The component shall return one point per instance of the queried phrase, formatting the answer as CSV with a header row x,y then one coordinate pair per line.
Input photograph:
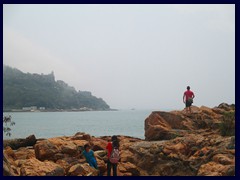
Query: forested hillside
x,y
25,90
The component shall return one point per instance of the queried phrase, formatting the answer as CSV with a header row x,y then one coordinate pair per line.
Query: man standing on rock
x,y
188,99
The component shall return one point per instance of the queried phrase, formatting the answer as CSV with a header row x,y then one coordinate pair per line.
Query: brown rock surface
x,y
34,167
9,166
169,125
25,153
98,144
184,144
128,169
45,150
216,169
82,170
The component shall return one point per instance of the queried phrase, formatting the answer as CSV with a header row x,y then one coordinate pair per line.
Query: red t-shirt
x,y
109,148
188,94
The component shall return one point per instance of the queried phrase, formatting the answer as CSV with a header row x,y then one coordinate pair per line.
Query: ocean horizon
x,y
96,123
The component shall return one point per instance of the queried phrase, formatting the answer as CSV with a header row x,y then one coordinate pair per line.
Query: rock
x,y
207,111
17,143
156,128
10,154
101,165
215,169
68,162
80,143
9,170
226,107
169,125
218,110
58,148
65,164
34,167
98,144
177,144
126,156
82,169
81,136
175,148
75,170
19,162
166,125
9,166
25,153
100,153
70,149
45,150
223,159
129,168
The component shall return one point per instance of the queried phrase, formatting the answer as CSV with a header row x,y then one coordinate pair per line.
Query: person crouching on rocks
x,y
89,155
113,155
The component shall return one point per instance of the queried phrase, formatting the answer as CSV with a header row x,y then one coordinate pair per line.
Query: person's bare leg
x,y
190,110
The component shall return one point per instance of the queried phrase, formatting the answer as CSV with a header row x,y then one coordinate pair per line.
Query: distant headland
x,y
25,92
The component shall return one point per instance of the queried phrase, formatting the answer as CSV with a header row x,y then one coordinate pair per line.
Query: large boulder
x,y
45,150
34,167
163,125
169,125
58,148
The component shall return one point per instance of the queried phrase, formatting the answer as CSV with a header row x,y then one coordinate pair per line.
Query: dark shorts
x,y
188,103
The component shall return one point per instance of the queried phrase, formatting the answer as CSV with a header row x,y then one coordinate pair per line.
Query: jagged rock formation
x,y
168,125
177,144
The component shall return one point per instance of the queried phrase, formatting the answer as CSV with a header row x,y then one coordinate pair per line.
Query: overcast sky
x,y
133,56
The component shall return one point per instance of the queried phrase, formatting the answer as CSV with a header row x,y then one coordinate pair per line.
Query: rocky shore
x,y
176,144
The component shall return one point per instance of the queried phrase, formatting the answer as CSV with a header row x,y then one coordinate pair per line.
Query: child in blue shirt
x,y
89,155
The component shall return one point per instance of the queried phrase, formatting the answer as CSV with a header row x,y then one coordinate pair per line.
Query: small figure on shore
x,y
89,155
188,99
113,155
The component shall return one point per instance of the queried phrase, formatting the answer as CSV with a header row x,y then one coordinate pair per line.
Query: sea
x,y
95,123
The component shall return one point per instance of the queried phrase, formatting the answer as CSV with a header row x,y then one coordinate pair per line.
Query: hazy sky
x,y
133,56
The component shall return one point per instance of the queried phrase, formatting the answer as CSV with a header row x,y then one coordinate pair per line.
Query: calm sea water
x,y
96,123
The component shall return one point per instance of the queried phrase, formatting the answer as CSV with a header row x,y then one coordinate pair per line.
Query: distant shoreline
x,y
57,110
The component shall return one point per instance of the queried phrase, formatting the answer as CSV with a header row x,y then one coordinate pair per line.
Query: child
x,y
110,146
89,155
